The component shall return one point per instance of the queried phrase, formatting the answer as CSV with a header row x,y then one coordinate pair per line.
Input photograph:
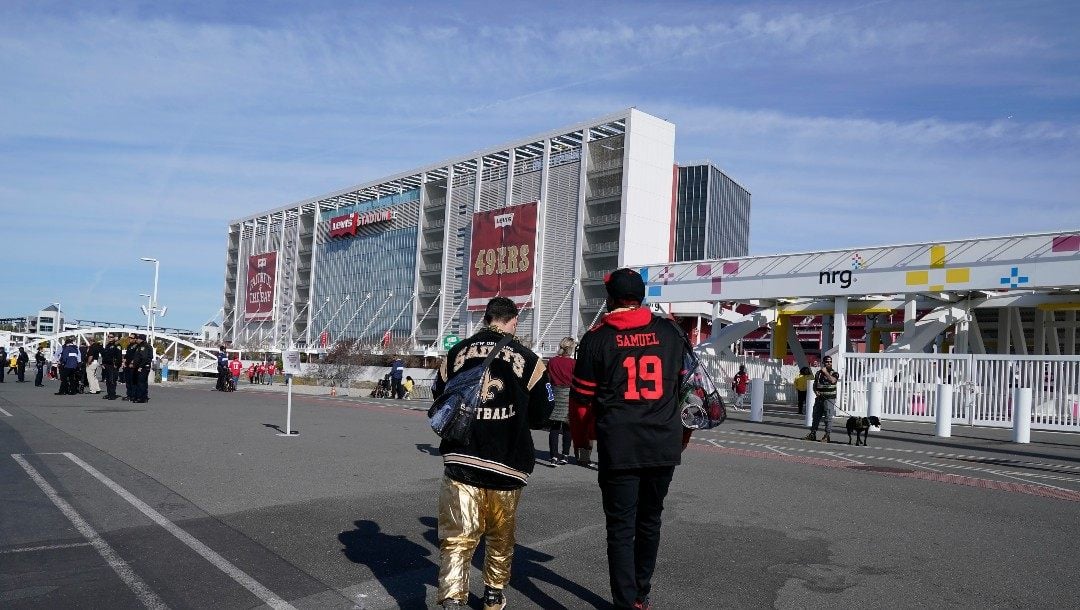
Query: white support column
x,y
311,274
1019,341
1070,333
465,326
975,338
446,296
538,258
509,200
840,307
1055,339
1040,332
911,313
796,348
1004,330
579,241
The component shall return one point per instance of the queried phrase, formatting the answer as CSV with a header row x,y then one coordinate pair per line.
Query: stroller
x,y
382,388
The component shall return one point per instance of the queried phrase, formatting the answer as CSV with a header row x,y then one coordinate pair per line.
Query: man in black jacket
x,y
41,362
20,364
112,359
483,479
70,359
3,362
142,357
626,380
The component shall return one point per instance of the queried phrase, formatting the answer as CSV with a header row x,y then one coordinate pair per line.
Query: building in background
x,y
713,216
49,320
407,262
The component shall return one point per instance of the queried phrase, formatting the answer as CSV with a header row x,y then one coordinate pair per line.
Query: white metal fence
x,y
982,387
779,378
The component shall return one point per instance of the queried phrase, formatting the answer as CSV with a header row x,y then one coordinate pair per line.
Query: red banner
x,y
262,272
503,252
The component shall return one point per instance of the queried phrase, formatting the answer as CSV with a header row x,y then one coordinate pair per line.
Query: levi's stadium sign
x,y
349,223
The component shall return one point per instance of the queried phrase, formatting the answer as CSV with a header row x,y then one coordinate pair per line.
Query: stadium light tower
x,y
153,303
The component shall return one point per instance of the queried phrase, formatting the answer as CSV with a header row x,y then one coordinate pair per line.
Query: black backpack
x,y
454,411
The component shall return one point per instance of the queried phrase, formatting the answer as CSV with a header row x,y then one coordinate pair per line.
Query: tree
x,y
339,364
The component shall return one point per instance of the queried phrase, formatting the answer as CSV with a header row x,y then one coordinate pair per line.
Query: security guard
x,y
112,359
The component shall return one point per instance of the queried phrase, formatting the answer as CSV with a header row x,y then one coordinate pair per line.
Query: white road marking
x,y
195,544
935,454
714,443
5,412
777,450
918,465
837,455
141,590
48,547
1032,482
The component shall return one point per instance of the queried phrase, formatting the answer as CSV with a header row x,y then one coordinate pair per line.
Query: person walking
x,y
801,381
20,364
3,362
13,363
740,383
627,379
260,373
561,371
40,361
397,372
825,399
271,370
235,368
112,359
70,358
483,478
93,366
251,373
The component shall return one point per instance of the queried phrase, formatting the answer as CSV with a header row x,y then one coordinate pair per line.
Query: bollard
x,y
873,399
944,410
808,408
1021,413
757,399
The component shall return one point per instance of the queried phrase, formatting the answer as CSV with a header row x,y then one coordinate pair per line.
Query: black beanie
x,y
625,284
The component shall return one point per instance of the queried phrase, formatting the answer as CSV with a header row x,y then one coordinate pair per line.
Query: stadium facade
x,y
407,262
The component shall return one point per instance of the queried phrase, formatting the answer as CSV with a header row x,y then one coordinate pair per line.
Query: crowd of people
x,y
81,369
229,371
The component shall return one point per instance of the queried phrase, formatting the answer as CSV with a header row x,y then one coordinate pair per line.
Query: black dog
x,y
861,427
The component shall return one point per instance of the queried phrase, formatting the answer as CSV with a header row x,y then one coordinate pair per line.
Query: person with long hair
x,y
561,371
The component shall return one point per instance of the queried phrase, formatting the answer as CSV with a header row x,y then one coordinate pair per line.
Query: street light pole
x,y
153,303
149,305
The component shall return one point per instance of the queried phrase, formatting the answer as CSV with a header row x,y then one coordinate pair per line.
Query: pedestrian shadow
x,y
527,569
404,568
427,448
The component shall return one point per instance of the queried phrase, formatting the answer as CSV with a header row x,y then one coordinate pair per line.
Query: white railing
x,y
982,387
779,378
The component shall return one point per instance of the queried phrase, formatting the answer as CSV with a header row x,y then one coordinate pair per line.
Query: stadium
x,y
405,263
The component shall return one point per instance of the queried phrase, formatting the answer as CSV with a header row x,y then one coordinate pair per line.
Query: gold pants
x,y
465,514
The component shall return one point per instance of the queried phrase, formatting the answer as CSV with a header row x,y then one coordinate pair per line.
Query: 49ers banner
x,y
503,251
262,272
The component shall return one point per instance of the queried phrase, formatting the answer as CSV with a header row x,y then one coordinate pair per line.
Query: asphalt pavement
x,y
194,500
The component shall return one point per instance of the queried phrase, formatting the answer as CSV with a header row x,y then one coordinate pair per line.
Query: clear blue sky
x,y
132,129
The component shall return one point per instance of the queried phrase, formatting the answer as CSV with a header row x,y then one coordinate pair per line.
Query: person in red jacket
x,y
271,370
741,384
251,373
627,379
235,368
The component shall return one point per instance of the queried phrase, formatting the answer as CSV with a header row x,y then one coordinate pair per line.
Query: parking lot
x,y
193,501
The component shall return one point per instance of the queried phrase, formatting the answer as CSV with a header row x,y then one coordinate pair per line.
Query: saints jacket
x,y
516,397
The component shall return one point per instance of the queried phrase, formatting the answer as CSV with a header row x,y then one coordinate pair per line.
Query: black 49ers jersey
x,y
629,368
